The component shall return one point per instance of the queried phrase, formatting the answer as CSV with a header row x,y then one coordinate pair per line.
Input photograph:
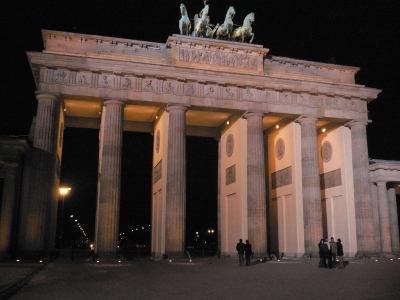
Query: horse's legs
x,y
252,37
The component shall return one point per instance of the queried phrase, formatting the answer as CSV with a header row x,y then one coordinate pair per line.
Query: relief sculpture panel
x,y
331,179
219,59
281,178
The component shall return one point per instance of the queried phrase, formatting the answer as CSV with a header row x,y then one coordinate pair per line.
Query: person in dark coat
x,y
240,249
321,255
248,252
339,253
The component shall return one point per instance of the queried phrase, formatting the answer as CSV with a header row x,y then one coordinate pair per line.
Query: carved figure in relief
x,y
184,23
245,31
225,30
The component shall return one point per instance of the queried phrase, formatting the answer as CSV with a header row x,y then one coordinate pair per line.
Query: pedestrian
x,y
323,250
248,252
240,249
332,244
339,251
328,255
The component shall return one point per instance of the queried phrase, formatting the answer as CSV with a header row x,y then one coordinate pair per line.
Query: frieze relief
x,y
83,78
229,93
210,91
61,76
169,87
219,59
106,80
303,99
127,83
149,84
189,89
201,89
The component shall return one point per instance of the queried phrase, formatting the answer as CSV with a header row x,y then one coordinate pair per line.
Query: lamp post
x,y
63,191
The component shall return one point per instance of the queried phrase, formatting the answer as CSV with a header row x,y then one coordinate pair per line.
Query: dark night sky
x,y
354,33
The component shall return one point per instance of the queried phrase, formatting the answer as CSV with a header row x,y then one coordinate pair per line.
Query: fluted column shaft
x,y
9,208
107,215
375,211
312,209
386,242
362,189
256,195
176,182
39,234
393,220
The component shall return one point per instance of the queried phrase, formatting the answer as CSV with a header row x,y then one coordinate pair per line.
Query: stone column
x,y
219,200
39,233
312,208
393,220
362,190
176,182
375,206
107,214
256,195
9,208
386,242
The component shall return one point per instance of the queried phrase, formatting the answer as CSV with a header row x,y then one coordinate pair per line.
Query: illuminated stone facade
x,y
272,115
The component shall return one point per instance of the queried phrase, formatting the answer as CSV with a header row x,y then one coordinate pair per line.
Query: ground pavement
x,y
209,278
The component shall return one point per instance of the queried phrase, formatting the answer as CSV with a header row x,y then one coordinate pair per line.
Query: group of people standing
x,y
244,250
328,251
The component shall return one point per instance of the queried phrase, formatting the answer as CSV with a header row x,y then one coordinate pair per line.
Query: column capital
x,y
381,183
114,101
355,123
172,107
310,119
46,96
252,114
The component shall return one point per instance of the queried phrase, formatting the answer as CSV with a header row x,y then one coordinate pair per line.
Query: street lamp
x,y
63,191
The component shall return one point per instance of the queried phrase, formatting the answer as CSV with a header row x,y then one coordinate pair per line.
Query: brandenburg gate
x,y
293,159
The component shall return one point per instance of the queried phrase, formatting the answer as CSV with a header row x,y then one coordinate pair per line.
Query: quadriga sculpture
x,y
240,33
225,30
201,21
184,23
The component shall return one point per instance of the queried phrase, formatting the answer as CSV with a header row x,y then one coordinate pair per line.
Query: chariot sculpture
x,y
203,28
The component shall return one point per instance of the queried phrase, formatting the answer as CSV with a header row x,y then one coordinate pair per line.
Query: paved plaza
x,y
209,278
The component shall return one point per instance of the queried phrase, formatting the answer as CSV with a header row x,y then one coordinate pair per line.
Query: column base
x,y
175,254
367,254
311,254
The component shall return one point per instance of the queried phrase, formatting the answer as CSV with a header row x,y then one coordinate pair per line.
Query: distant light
x,y
170,260
99,112
227,122
323,129
76,220
65,109
149,225
376,260
119,261
278,260
156,117
197,232
190,260
277,126
391,259
64,190
40,261
98,261
17,260
132,230
71,216
137,229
